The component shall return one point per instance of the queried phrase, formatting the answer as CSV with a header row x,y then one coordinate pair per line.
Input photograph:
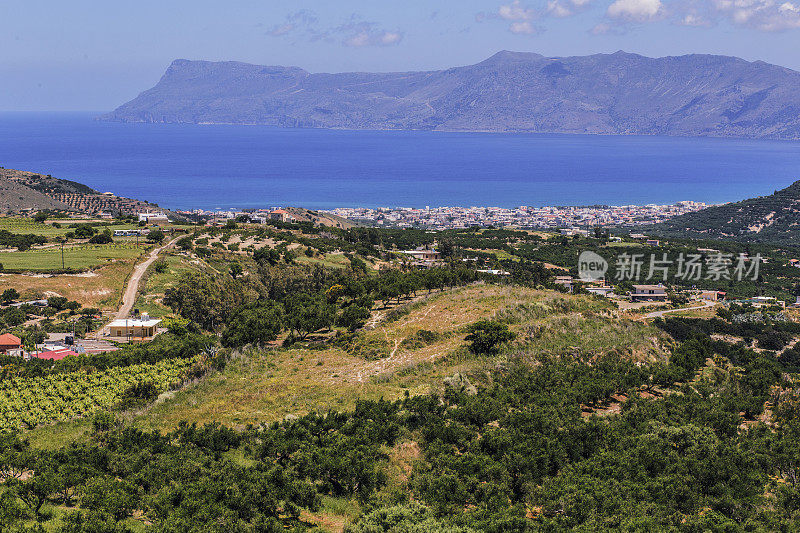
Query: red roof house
x,y
9,342
281,215
54,355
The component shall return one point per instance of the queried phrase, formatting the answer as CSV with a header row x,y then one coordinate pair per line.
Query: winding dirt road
x,y
656,314
129,296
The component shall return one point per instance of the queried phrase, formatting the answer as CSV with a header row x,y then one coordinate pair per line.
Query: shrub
x,y
160,266
486,337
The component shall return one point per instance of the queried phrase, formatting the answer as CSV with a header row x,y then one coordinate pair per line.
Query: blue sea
x,y
221,166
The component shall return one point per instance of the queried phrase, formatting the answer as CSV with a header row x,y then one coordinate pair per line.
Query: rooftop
x,y
55,355
7,339
134,322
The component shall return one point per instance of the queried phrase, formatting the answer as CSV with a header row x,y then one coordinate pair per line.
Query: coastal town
x,y
552,217
549,217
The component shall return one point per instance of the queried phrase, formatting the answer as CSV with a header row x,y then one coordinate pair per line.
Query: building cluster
x,y
256,216
523,216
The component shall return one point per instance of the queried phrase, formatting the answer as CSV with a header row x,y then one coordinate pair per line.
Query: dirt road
x,y
655,314
129,296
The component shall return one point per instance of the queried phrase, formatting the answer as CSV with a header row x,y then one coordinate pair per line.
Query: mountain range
x,y
773,219
620,93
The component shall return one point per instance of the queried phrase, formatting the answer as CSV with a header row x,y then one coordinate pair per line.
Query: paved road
x,y
129,297
655,314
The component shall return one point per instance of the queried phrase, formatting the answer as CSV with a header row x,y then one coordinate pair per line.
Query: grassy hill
x,y
413,349
773,219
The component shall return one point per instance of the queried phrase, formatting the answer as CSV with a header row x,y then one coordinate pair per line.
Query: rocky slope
x,y
621,93
22,190
16,196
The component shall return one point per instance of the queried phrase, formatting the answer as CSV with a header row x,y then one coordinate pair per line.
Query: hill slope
x,y
16,196
619,93
21,190
771,219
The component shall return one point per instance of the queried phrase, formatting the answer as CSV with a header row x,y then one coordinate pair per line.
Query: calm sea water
x,y
195,166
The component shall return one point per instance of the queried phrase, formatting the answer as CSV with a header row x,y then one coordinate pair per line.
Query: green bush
x,y
486,337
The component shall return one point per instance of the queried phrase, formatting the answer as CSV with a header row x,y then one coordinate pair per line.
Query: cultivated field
x,y
77,257
28,225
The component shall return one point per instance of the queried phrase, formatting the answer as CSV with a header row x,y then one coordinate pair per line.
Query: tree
x,y
257,324
40,217
358,264
306,314
9,295
84,231
353,317
102,238
155,236
446,248
235,270
487,336
184,243
204,299
267,255
116,497
35,490
178,325
57,302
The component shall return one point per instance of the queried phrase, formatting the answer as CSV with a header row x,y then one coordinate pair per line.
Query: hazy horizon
x,y
79,56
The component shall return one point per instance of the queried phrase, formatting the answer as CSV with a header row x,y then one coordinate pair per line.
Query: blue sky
x,y
94,55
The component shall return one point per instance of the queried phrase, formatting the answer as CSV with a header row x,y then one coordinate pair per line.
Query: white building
x,y
153,218
134,327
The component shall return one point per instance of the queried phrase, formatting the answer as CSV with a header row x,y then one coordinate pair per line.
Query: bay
x,y
185,166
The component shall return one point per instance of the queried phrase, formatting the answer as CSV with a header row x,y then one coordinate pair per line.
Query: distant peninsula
x,y
615,94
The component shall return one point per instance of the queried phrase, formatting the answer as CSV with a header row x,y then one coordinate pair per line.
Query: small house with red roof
x,y
10,344
281,215
54,355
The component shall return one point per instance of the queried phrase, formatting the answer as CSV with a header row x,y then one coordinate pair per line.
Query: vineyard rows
x,y
29,402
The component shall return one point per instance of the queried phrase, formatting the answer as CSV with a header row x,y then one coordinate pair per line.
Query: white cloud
x,y
566,8
523,28
761,15
635,10
281,29
354,32
515,11
558,9
357,33
693,19
601,29
764,15
297,21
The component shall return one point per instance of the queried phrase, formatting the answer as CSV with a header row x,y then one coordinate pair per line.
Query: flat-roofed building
x,y
424,254
653,293
142,327
153,218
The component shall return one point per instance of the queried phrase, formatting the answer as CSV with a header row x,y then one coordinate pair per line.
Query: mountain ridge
x,y
618,94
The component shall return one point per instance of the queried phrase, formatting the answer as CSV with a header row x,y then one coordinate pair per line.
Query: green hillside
x,y
773,219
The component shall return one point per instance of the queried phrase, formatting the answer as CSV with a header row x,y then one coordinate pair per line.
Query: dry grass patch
x,y
266,385
100,288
